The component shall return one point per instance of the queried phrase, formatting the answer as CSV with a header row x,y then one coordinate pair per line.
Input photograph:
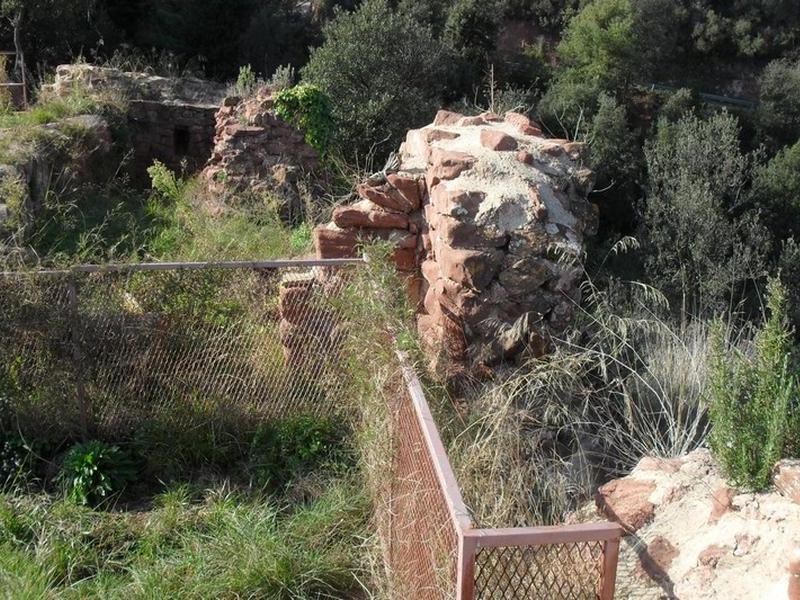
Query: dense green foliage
x,y
705,243
308,108
384,73
93,472
753,400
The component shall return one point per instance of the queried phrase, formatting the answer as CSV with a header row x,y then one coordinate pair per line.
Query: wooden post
x,y
77,358
610,559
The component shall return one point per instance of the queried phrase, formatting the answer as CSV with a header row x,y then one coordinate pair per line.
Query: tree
x,y
615,159
597,54
471,29
705,240
776,190
599,44
779,110
658,26
13,11
384,72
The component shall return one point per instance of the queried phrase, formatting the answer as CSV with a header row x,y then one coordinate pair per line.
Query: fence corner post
x,y
610,559
465,576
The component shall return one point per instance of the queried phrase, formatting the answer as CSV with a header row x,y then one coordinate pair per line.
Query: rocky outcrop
x,y
481,210
169,119
691,535
257,151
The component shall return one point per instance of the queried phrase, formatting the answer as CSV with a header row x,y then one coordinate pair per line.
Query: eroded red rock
x,y
627,502
446,117
786,478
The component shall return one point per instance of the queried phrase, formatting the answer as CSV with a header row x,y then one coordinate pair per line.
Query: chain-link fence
x,y
96,352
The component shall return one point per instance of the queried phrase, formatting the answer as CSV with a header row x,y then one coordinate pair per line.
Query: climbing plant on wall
x,y
308,108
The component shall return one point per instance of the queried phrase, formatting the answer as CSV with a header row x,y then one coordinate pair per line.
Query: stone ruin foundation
x,y
479,211
172,120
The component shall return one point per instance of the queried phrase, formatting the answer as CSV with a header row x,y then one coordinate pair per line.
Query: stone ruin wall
x,y
256,151
172,120
479,211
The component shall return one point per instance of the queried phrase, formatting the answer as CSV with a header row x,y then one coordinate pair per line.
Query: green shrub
x,y
705,242
246,82
94,471
471,29
751,399
384,73
166,184
284,77
599,44
778,112
776,191
307,108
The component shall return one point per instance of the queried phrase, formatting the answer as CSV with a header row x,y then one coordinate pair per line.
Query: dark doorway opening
x,y
180,137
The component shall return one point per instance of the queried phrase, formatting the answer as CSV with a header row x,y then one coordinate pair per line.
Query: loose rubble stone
x,y
497,140
367,214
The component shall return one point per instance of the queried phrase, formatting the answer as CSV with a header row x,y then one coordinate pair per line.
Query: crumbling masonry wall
x,y
480,210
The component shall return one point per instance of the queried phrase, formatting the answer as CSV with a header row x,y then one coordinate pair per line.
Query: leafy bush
x,y
751,399
776,191
284,77
166,184
93,471
778,112
307,108
471,29
599,44
384,73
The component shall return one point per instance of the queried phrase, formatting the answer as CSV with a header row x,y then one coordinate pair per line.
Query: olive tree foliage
x,y
778,113
705,240
384,73
472,27
776,192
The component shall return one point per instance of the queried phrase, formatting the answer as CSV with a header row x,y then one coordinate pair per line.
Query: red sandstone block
x,y
496,140
366,214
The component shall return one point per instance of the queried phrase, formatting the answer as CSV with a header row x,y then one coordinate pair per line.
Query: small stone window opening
x,y
180,141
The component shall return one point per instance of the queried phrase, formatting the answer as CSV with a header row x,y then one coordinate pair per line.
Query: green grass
x,y
184,229
213,544
52,108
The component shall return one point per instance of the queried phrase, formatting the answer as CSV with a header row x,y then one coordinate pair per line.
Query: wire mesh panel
x,y
424,542
425,504
554,571
37,375
173,346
